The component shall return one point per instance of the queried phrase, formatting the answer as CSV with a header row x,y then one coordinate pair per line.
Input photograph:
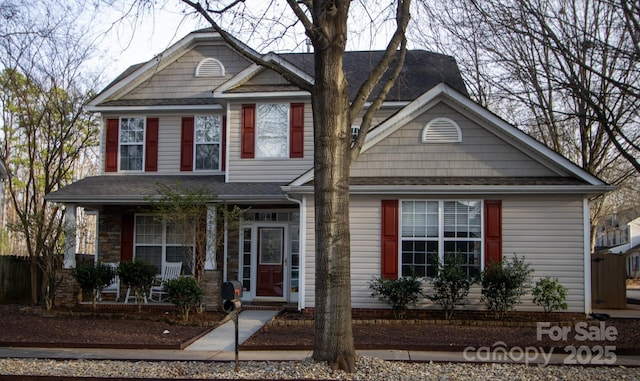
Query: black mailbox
x,y
231,294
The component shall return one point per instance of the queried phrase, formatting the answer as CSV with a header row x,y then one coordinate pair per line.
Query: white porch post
x,y
70,236
210,259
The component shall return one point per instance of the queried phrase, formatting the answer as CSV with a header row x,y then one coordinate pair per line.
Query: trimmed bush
x,y
92,279
550,295
504,283
397,293
185,293
451,287
138,275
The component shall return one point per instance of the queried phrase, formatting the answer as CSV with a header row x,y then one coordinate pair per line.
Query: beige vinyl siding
x,y
480,153
178,80
266,169
267,77
546,231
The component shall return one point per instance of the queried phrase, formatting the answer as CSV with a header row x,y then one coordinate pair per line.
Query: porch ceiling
x,y
136,189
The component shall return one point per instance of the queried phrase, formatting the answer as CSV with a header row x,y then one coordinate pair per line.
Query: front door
x,y
270,279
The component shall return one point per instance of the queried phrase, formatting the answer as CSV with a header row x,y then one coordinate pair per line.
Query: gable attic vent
x,y
210,67
441,130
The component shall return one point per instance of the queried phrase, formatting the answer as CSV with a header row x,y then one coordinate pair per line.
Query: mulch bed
x,y
113,327
430,331
160,327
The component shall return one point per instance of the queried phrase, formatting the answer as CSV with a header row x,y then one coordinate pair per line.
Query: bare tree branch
x,y
243,49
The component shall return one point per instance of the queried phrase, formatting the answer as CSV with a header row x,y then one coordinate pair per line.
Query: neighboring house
x,y
439,176
621,235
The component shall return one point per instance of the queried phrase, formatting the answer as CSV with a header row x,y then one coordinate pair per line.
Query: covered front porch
x,y
261,249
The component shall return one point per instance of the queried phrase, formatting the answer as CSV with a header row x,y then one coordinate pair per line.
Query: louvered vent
x,y
441,130
210,67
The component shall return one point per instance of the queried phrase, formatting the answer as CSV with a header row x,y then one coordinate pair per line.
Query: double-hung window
x,y
272,130
158,242
445,232
131,144
208,133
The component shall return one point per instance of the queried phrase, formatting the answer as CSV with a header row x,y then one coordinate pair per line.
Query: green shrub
x,y
550,295
93,279
451,287
397,293
185,293
504,283
138,275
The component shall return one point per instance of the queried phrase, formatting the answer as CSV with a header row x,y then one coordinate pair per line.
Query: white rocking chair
x,y
114,287
172,270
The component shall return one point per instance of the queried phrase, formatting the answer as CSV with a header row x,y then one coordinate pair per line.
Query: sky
x,y
128,42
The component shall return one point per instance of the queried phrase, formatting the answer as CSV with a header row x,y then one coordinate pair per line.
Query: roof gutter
x,y
462,189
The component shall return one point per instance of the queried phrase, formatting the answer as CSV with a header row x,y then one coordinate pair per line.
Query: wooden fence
x,y
15,279
608,279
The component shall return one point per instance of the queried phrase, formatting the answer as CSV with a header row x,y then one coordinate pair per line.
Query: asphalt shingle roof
x,y
422,71
137,188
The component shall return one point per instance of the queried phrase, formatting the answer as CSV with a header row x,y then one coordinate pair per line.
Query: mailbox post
x,y
231,294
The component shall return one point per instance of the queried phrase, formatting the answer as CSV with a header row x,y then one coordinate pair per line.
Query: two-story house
x,y
438,175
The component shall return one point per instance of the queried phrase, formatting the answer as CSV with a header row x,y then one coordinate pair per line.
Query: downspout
x,y
587,255
302,205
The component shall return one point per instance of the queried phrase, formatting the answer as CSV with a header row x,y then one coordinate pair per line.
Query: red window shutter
x,y
248,131
296,120
223,145
492,231
186,145
126,237
151,146
389,234
111,146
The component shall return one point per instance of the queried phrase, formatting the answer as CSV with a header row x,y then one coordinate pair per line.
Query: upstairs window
x,y
208,133
131,144
272,130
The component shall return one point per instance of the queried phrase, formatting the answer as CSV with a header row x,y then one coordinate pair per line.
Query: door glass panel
x,y
271,246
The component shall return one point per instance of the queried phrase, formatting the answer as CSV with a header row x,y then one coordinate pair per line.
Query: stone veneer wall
x,y
109,226
67,291
211,283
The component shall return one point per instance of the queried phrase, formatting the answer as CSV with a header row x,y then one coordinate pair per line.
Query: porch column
x,y
70,236
210,259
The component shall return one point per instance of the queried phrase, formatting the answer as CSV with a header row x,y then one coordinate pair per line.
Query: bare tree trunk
x,y
333,339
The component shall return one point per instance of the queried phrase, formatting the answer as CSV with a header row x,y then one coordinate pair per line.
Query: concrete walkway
x,y
223,337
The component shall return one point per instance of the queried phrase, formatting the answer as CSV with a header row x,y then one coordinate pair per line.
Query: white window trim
x,y
195,143
441,238
163,245
286,155
144,143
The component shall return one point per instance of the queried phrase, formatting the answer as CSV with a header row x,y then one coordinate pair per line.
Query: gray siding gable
x,y
480,154
178,80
